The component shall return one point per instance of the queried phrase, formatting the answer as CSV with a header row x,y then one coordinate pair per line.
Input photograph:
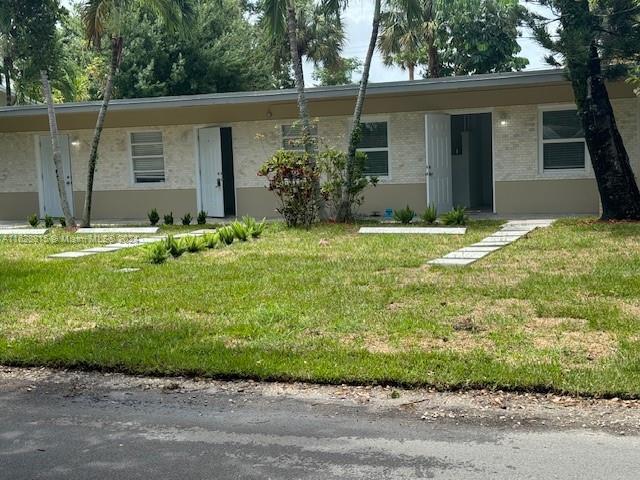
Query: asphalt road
x,y
64,431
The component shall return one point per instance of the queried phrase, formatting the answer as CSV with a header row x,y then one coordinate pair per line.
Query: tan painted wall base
x,y
18,205
547,196
135,204
259,202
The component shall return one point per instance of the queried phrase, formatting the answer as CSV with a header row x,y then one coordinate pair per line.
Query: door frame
x,y
36,143
471,111
196,147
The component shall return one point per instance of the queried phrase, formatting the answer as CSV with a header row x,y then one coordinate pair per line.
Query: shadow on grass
x,y
193,351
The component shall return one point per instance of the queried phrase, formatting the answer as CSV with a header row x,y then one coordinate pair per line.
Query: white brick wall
x,y
515,150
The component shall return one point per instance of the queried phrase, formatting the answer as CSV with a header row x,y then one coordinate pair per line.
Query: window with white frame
x,y
147,155
374,141
563,144
292,137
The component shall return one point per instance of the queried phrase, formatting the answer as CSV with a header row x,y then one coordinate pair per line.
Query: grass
x,y
557,311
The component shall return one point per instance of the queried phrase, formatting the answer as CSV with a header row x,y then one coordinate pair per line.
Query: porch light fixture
x,y
503,119
75,143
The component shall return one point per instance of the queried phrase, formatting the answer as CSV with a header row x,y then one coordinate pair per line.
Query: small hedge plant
x,y
457,216
154,217
168,218
33,220
430,215
186,219
202,217
404,215
157,253
48,221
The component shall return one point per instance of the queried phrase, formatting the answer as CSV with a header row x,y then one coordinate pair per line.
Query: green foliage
x,y
292,176
168,218
63,222
174,246
211,240
192,244
186,219
202,217
430,215
240,231
339,74
157,253
343,191
48,221
254,228
222,52
457,216
154,217
33,220
226,234
404,215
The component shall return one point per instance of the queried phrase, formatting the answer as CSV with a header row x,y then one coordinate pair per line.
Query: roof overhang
x,y
449,84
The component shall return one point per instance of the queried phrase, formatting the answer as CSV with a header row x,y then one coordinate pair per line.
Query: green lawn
x,y
559,310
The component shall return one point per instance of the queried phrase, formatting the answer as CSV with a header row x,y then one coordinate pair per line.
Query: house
x,y
3,96
509,143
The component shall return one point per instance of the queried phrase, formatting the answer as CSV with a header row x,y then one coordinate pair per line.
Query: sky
x,y
358,18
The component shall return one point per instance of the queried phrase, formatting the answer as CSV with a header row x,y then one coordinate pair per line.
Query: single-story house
x,y
509,143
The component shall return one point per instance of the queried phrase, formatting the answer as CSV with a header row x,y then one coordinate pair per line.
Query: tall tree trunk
x,y
616,182
57,157
116,54
412,71
8,68
433,60
303,108
345,210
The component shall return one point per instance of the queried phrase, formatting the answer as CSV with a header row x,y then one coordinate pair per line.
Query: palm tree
x,y
407,41
104,18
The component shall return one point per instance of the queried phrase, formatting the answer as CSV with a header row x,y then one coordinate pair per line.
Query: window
x,y
374,141
147,154
292,137
563,145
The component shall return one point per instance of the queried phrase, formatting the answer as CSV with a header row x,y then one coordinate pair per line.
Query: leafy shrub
x,y
48,221
168,218
293,177
226,235
211,240
63,222
186,219
202,217
33,220
404,215
240,231
343,187
430,215
254,228
157,253
174,247
153,217
192,244
457,216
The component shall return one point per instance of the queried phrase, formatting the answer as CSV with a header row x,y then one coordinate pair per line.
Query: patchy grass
x,y
558,310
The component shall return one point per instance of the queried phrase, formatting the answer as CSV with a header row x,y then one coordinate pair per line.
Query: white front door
x,y
51,204
211,182
438,148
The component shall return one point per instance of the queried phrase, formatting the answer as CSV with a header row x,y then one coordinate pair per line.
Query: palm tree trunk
x,y
616,182
412,71
434,62
57,157
8,67
116,53
345,212
303,108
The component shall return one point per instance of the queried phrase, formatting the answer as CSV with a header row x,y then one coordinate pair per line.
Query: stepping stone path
x,y
114,247
132,230
417,230
509,233
23,231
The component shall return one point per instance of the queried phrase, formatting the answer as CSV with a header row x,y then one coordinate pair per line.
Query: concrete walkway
x,y
509,233
114,247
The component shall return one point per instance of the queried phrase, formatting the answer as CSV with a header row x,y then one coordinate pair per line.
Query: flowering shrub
x,y
293,177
